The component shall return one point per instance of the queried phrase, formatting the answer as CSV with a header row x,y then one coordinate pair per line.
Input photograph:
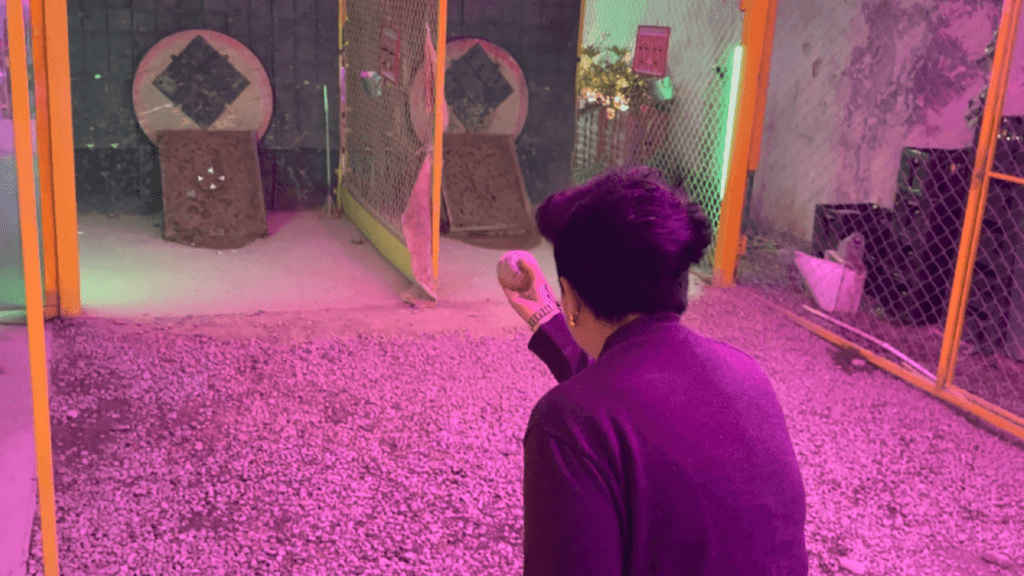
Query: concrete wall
x,y
852,84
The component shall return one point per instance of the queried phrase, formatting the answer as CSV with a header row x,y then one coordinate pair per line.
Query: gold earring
x,y
572,320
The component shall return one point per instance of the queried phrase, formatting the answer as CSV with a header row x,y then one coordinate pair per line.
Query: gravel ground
x,y
177,452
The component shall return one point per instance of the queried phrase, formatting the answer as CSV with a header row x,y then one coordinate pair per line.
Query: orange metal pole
x,y
727,243
439,72
762,87
1006,178
33,285
978,193
50,299
62,150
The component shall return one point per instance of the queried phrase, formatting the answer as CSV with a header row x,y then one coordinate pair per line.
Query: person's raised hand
x,y
536,295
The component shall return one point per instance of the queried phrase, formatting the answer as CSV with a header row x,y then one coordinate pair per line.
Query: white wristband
x,y
545,319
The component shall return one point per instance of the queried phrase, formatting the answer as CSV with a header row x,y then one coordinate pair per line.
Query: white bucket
x,y
835,287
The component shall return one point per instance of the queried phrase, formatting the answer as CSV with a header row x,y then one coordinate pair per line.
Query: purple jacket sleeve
x,y
553,344
570,523
567,508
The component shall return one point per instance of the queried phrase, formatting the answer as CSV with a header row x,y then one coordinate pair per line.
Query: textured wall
x,y
296,41
852,84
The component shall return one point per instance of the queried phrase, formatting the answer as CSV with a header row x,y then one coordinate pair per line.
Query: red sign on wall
x,y
389,55
650,58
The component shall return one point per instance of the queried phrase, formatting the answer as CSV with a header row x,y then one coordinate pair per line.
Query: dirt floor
x,y
897,482
768,269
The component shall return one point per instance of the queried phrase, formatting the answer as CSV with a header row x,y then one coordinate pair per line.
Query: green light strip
x,y
730,125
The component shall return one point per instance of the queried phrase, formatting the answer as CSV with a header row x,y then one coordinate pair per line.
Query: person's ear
x,y
569,296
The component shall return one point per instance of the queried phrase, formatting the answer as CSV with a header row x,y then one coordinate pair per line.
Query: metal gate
x,y
387,53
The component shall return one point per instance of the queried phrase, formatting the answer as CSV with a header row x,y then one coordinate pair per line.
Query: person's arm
x,y
554,345
570,523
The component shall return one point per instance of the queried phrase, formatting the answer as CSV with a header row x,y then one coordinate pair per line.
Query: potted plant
x,y
606,85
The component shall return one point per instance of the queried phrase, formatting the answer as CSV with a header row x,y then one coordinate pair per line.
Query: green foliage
x,y
611,79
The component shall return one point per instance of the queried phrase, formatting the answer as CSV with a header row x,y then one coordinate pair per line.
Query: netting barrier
x,y
991,363
882,272
384,60
677,123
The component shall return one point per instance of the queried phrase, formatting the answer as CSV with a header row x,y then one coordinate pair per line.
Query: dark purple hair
x,y
626,241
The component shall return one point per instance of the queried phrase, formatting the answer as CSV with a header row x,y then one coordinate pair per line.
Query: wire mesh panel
x,y
676,124
386,40
991,362
879,276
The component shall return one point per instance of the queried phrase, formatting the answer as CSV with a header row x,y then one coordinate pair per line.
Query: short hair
x,y
626,241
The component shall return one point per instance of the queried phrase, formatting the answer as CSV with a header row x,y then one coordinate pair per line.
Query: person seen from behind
x,y
659,451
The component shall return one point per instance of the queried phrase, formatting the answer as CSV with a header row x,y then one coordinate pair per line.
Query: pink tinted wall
x,y
852,84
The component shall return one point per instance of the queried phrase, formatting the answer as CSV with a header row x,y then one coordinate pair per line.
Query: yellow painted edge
x,y
33,283
435,200
727,241
62,145
978,194
390,247
958,397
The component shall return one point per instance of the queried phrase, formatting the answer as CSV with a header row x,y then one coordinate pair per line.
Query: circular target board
x,y
201,80
484,88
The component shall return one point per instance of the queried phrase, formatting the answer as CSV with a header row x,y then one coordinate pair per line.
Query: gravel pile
x,y
401,454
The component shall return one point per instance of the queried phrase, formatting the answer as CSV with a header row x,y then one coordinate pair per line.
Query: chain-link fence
x,y
676,124
385,50
878,268
992,365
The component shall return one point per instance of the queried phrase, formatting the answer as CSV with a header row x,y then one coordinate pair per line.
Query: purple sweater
x,y
668,455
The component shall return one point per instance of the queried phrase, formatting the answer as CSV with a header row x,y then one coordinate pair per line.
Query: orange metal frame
x,y
56,154
758,34
979,190
439,74
30,259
